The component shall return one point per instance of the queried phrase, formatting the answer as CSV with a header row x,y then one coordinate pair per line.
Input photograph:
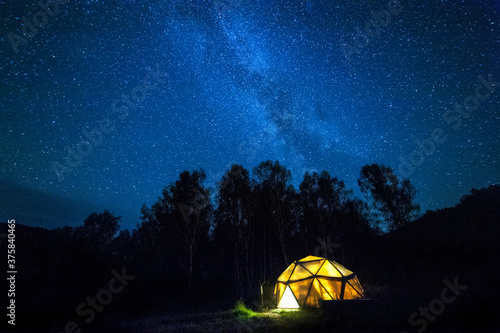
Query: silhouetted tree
x,y
323,199
333,222
181,218
394,198
193,212
122,245
151,242
99,230
275,197
233,228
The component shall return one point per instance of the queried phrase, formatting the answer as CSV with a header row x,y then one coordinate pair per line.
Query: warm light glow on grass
x,y
276,312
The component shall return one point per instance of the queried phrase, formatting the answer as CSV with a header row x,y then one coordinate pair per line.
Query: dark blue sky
x,y
203,84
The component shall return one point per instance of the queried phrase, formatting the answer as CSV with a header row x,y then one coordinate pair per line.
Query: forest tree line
x,y
195,241
259,224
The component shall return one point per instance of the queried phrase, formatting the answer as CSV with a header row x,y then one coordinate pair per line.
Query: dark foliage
x,y
390,195
198,248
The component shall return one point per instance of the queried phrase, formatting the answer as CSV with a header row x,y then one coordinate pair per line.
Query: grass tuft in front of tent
x,y
241,311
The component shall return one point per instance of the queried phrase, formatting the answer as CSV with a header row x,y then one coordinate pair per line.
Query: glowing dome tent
x,y
312,280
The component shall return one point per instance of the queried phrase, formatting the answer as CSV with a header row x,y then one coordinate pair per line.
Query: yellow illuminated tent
x,y
309,281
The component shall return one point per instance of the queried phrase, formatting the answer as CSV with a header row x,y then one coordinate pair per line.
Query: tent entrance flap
x,y
288,300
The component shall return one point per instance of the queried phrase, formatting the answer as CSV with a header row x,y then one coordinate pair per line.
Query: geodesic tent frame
x,y
309,281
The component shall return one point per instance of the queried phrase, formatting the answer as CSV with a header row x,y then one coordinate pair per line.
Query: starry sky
x,y
166,86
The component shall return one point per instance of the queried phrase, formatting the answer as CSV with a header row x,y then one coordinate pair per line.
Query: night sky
x,y
166,86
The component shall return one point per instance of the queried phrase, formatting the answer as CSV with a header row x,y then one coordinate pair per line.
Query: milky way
x,y
166,86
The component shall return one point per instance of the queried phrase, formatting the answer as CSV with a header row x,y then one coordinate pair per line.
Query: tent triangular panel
x,y
301,290
351,290
329,270
288,300
344,271
300,273
333,287
309,258
280,289
312,266
286,274
314,298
